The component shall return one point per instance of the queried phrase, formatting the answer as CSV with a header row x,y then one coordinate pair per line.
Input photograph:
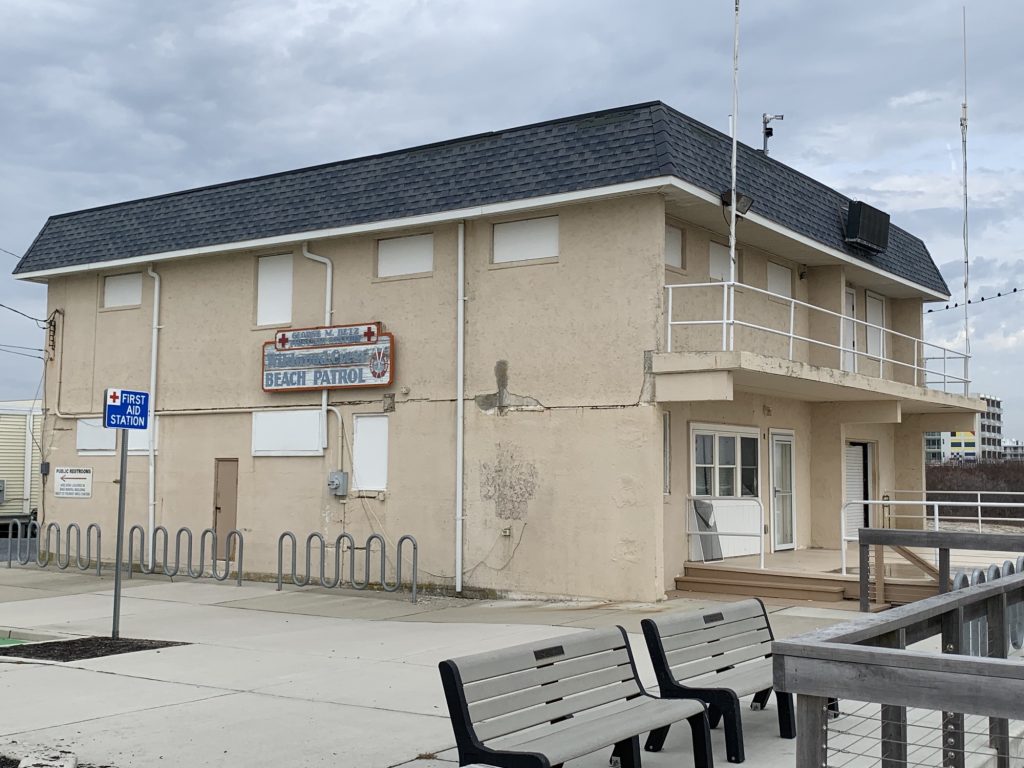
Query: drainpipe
x,y
328,312
154,354
460,415
27,474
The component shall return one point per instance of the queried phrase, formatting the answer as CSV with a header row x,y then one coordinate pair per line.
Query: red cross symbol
x,y
370,333
283,340
114,397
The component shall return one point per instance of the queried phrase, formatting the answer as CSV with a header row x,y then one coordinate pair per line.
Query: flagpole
x,y
732,187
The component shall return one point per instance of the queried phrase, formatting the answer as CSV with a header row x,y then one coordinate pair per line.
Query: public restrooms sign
x,y
333,357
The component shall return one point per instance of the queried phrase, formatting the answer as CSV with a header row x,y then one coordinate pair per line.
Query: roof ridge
x,y
659,135
362,158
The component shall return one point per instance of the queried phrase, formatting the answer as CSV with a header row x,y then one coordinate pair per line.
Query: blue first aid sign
x,y
125,409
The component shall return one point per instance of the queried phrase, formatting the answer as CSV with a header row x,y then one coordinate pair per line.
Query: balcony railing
x,y
752,318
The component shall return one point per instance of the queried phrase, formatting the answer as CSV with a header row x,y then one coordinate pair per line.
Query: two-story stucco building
x,y
551,360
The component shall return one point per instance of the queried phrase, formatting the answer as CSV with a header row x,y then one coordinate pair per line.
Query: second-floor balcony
x,y
733,326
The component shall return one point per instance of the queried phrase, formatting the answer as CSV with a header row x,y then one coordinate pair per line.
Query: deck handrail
x,y
869,660
923,350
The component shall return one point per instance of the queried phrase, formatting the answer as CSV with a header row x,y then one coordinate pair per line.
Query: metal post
x,y
669,334
865,579
979,508
893,718
792,313
119,540
725,316
952,722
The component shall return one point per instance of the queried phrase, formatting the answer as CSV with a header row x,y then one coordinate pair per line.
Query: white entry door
x,y
849,334
783,507
856,486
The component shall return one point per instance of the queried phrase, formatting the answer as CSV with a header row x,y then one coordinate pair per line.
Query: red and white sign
x,y
327,336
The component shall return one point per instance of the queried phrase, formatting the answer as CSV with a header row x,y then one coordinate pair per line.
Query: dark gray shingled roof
x,y
572,154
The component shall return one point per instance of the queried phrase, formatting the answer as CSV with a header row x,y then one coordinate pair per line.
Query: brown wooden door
x,y
225,503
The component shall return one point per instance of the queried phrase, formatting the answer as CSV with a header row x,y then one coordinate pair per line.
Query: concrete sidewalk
x,y
288,678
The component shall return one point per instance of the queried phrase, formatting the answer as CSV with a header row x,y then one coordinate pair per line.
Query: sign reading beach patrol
x,y
125,409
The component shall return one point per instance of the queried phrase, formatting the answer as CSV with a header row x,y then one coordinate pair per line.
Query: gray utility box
x,y
3,491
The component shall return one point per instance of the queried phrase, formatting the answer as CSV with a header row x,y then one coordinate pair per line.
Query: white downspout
x,y
460,415
26,505
328,312
153,358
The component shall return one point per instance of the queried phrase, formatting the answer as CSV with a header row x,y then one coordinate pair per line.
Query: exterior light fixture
x,y
743,202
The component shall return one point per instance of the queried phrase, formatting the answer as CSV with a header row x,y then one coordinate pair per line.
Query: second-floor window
x,y
122,290
780,280
274,290
529,240
401,256
674,255
718,262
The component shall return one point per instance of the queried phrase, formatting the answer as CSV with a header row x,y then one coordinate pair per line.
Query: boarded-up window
x,y
274,290
122,290
370,452
287,433
674,247
526,240
405,256
780,280
718,261
92,438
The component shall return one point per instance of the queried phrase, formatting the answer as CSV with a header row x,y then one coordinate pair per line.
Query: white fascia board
x,y
768,224
494,209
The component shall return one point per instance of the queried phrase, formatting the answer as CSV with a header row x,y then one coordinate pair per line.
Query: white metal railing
x,y
979,497
924,353
759,534
929,516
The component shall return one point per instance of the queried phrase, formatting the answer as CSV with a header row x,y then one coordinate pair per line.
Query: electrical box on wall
x,y
3,491
337,482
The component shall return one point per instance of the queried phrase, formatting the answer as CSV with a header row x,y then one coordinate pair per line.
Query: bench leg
x,y
760,700
701,733
714,716
656,739
787,722
833,708
626,753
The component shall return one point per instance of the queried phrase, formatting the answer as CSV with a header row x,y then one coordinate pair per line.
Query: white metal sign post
x,y
123,410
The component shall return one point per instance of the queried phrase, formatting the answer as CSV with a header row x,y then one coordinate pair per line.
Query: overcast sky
x,y
109,100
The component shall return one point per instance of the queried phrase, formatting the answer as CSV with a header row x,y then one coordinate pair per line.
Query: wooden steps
x,y
720,578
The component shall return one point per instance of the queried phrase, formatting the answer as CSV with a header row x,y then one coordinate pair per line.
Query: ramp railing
x,y
207,540
339,579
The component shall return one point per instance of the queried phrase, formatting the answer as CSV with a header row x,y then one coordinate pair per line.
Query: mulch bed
x,y
81,648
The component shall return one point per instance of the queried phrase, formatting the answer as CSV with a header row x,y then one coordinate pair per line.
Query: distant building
x,y
1013,450
20,430
990,443
985,443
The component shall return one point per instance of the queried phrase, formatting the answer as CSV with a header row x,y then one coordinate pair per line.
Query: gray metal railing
x,y
207,535
912,700
339,556
22,544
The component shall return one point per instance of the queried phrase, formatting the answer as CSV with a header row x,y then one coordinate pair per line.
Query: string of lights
x,y
979,300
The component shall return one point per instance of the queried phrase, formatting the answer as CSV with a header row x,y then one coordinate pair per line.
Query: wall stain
x,y
509,481
502,401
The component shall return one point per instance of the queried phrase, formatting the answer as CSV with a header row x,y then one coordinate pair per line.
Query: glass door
x,y
783,508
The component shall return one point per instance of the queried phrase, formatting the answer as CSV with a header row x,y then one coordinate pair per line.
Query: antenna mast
x,y
963,146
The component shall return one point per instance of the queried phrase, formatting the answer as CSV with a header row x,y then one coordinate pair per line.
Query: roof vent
x,y
867,227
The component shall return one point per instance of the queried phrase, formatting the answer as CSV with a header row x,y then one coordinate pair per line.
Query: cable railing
x,y
928,365
910,695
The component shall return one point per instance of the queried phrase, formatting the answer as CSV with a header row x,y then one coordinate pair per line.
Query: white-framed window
x,y
874,313
666,452
93,439
527,240
674,254
274,290
122,290
412,255
370,452
287,433
780,280
725,461
718,262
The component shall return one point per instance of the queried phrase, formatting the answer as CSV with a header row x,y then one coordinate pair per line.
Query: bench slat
x,y
714,632
695,652
744,680
517,681
687,621
528,718
696,668
540,694
517,658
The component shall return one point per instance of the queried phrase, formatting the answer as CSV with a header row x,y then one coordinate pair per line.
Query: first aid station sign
x,y
125,409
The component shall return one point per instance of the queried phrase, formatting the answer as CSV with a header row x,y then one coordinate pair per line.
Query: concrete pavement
x,y
309,678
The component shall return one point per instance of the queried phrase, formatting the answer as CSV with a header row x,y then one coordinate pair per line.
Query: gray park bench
x,y
717,656
540,704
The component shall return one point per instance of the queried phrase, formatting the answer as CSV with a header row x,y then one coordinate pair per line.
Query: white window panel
x,y
122,290
780,280
874,313
725,461
274,290
405,256
718,261
526,240
92,438
674,247
370,452
287,433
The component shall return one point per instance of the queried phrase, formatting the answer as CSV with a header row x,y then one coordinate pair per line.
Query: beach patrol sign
x,y
333,357
125,409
